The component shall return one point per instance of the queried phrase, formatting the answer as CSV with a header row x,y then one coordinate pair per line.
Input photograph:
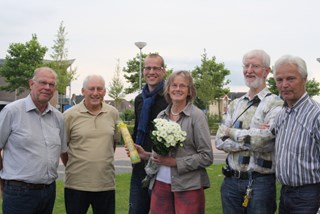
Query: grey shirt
x,y
196,153
31,141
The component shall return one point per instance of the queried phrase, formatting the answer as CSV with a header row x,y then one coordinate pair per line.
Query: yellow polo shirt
x,y
90,140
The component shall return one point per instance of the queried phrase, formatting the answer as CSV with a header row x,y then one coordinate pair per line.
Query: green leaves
x,y
19,64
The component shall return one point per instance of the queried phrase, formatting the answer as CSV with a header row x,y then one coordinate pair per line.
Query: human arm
x,y
258,136
64,158
144,155
223,140
1,166
197,151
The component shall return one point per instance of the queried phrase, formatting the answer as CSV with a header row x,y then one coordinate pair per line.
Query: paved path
x,y
123,165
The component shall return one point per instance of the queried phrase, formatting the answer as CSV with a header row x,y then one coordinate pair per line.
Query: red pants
x,y
167,202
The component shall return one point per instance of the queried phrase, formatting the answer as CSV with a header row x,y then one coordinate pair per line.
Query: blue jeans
x,y
139,200
300,200
263,200
18,199
78,202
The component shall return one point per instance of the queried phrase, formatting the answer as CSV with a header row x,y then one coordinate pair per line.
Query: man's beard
x,y
256,83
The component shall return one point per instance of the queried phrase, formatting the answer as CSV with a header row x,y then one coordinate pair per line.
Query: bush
x,y
127,115
213,122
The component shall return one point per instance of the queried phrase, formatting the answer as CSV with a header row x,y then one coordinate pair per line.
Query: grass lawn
x,y
213,203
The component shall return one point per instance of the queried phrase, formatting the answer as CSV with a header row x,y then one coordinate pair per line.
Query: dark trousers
x,y
139,200
263,200
21,199
78,202
300,200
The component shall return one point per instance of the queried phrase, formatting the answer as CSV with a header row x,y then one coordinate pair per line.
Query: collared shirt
x,y
196,153
249,147
298,143
31,141
91,141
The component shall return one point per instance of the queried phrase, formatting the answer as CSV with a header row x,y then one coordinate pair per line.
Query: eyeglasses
x,y
43,83
98,89
253,66
181,86
148,68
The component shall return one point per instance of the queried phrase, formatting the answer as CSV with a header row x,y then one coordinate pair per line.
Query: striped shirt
x,y
249,147
297,131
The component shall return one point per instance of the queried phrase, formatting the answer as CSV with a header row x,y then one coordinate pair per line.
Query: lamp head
x,y
140,45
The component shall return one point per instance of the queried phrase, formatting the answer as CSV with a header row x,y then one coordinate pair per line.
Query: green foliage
x,y
210,80
127,115
213,122
60,63
116,87
20,63
132,73
312,87
271,83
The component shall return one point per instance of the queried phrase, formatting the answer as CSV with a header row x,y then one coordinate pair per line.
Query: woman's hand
x,y
144,155
164,160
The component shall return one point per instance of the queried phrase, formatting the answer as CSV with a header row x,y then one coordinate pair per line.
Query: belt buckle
x,y
237,175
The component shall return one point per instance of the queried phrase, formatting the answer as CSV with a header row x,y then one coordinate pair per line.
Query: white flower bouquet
x,y
167,135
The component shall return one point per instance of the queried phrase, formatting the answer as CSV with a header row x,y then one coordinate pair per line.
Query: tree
x,y
210,81
132,73
60,61
116,86
20,63
312,87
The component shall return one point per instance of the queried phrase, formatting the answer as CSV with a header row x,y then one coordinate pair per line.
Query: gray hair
x,y
86,80
261,54
292,60
37,70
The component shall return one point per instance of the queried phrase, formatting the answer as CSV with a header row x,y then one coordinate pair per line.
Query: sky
x,y
99,32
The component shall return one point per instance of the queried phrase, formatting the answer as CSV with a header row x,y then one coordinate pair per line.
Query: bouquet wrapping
x,y
134,156
167,135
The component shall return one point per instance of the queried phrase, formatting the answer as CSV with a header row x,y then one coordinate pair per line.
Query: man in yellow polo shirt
x,y
91,130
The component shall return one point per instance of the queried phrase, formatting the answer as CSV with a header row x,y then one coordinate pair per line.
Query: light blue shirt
x,y
31,142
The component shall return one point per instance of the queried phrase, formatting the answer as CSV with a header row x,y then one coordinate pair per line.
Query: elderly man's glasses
x,y
149,68
253,66
44,83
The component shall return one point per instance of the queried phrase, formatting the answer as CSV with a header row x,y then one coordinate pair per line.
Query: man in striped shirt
x,y
297,131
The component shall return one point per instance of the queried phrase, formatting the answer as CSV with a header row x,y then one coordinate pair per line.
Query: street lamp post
x,y
140,45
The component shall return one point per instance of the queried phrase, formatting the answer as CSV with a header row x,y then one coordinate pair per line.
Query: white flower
x,y
166,134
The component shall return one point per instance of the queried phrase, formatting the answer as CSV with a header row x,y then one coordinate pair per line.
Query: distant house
x,y
7,97
223,103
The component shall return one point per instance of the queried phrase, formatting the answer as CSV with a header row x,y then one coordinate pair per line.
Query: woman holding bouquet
x,y
178,186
